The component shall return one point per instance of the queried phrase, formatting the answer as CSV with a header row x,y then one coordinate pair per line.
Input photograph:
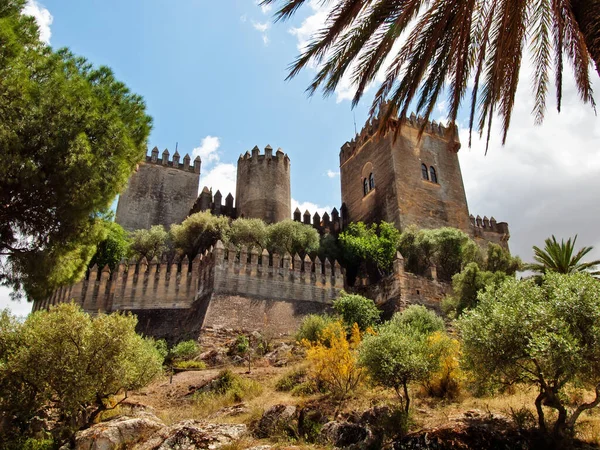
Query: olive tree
x,y
403,352
546,336
71,361
149,243
292,237
248,232
198,232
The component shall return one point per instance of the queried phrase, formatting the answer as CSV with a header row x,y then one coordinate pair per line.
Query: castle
x,y
403,177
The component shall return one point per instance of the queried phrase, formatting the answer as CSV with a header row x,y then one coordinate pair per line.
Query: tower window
x,y
371,181
424,172
365,186
433,175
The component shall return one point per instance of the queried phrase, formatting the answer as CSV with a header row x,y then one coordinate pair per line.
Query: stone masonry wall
x,y
401,289
401,195
263,185
160,192
220,288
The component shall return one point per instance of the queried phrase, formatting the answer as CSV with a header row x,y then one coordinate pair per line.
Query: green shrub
x,y
357,309
312,326
292,237
190,365
419,319
162,347
226,389
185,350
291,379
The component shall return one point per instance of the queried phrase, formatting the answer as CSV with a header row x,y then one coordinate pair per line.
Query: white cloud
x,y
208,150
42,17
262,29
310,207
332,174
243,18
220,178
264,8
546,179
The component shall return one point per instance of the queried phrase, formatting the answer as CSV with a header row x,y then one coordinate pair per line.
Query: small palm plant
x,y
561,258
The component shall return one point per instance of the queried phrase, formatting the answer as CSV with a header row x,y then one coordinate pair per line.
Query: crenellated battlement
x,y
176,284
416,122
489,230
207,202
185,164
333,222
255,156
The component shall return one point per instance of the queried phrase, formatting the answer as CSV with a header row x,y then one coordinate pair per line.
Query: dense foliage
x,y
333,360
402,352
70,135
544,335
449,249
292,237
114,247
312,326
198,232
371,246
248,232
356,309
73,362
149,244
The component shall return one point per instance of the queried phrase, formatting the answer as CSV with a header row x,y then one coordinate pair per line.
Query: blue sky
x,y
213,77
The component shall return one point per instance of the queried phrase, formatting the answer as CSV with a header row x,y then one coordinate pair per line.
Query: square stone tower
x,y
160,192
402,179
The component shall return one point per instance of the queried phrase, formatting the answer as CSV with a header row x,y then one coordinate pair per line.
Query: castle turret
x,y
263,185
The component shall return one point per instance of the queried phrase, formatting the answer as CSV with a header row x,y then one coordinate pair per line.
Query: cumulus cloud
x,y
42,17
220,178
332,174
208,150
546,179
312,208
262,29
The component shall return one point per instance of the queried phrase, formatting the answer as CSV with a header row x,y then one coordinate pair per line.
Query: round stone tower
x,y
263,185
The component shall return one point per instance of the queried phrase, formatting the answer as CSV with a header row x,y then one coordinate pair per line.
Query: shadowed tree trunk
x,y
587,14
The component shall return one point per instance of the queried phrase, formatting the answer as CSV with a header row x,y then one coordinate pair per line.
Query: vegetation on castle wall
x,y
71,361
248,232
292,237
545,336
149,244
448,249
70,136
198,232
371,246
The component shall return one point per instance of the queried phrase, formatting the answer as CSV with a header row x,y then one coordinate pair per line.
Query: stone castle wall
x,y
263,185
160,192
220,288
401,195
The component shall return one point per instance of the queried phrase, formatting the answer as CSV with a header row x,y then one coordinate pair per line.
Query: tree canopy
x,y
71,135
431,49
561,258
71,361
544,335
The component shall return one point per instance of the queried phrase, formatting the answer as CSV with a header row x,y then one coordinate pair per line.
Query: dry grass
x,y
172,403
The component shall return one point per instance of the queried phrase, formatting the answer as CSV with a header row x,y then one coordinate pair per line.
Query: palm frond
x,y
451,41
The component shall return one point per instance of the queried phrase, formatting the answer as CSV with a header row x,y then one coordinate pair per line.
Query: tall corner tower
x,y
405,178
263,185
160,192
